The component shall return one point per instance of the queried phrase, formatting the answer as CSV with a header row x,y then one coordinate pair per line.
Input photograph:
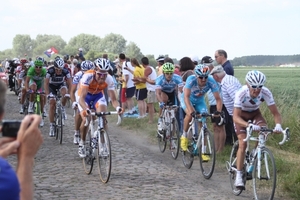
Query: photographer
x,y
19,184
13,64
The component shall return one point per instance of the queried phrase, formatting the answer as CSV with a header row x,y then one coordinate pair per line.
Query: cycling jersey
x,y
168,86
246,103
88,81
57,79
197,92
77,77
37,78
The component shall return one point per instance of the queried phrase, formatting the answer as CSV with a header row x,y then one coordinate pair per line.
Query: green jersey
x,y
37,78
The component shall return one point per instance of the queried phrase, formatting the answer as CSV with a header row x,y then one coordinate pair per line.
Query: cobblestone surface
x,y
139,170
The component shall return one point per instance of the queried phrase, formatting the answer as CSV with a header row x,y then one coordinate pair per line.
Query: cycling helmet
x,y
59,63
255,78
38,63
168,67
16,61
40,58
102,64
201,70
87,65
23,61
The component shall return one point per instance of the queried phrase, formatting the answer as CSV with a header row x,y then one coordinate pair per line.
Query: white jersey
x,y
246,103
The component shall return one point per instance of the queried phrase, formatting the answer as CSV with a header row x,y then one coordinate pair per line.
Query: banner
x,y
50,51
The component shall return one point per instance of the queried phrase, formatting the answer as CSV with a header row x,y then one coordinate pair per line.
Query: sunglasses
x,y
169,73
256,86
38,67
101,74
202,77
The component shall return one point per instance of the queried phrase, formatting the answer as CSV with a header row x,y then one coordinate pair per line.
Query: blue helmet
x,y
87,65
201,70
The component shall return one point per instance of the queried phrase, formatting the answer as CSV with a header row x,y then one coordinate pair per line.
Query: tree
x,y
22,44
44,42
133,51
85,41
113,43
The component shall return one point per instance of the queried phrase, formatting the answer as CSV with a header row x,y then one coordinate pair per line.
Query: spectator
x,y
19,184
195,59
149,77
218,129
160,61
221,59
140,85
80,52
128,88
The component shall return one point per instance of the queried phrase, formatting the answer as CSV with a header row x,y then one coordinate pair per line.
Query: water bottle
x,y
250,168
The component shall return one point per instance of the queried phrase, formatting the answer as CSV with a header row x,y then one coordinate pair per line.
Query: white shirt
x,y
246,103
127,72
229,86
152,77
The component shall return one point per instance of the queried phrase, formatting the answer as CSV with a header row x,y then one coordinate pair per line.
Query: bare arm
x,y
72,92
84,91
187,94
219,101
27,83
276,114
112,96
46,86
158,95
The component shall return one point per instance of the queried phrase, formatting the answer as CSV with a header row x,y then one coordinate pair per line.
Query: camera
x,y
10,128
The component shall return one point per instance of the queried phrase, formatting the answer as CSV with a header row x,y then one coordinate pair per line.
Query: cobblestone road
x,y
139,170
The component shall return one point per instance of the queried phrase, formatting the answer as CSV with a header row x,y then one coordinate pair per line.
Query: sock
x,y
239,173
76,132
184,134
30,103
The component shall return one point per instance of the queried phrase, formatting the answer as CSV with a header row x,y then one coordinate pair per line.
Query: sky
x,y
178,28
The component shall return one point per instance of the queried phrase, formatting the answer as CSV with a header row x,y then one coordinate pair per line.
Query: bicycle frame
x,y
167,117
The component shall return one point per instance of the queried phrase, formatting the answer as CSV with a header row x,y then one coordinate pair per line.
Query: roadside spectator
x,y
128,88
219,130
140,85
80,52
195,59
160,61
221,59
149,77
19,184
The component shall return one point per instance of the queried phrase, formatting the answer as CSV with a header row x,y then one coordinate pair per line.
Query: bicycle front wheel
x,y
264,176
188,156
207,154
103,156
174,139
88,161
232,170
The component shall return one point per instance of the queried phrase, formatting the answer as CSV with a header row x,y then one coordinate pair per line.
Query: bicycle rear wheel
x,y
88,161
207,157
232,171
174,139
103,156
264,185
59,125
162,142
26,105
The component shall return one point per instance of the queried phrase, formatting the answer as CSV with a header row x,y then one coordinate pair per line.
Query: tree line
x,y
266,60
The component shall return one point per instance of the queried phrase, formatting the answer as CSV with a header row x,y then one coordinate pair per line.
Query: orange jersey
x,y
88,81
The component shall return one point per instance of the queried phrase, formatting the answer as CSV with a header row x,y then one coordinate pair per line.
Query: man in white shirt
x,y
129,85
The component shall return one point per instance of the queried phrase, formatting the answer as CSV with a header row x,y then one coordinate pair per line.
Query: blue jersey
x,y
197,92
168,86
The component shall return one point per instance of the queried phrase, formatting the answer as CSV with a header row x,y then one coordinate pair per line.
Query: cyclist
x,y
192,100
85,66
22,71
166,85
246,107
92,84
12,65
34,82
54,81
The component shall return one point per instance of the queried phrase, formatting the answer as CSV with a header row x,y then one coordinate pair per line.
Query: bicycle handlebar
x,y
100,114
198,116
285,132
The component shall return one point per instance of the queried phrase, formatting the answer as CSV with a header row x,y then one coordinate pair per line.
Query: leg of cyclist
x,y
101,106
23,96
257,119
187,119
52,108
65,96
163,98
78,121
32,87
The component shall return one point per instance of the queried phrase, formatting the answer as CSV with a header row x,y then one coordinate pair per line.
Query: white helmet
x,y
255,78
59,63
102,64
